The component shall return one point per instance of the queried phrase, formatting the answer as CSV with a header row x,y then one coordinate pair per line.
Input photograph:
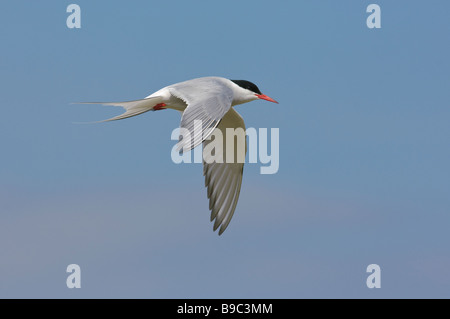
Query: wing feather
x,y
208,99
224,180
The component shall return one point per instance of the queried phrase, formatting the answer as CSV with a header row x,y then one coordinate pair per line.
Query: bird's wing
x,y
208,100
223,180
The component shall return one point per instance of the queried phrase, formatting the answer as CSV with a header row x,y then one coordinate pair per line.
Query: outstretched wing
x,y
223,180
208,100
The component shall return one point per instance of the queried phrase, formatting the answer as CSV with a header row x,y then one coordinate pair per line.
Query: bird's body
x,y
206,105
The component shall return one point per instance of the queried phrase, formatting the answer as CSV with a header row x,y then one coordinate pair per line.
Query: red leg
x,y
159,106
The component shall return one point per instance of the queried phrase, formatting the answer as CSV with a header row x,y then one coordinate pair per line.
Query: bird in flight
x,y
207,104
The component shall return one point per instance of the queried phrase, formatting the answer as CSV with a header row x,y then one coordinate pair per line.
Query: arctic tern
x,y
206,104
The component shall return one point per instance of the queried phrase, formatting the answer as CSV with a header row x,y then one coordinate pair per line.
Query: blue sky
x,y
364,150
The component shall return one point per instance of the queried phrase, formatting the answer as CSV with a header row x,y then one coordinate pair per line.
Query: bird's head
x,y
249,92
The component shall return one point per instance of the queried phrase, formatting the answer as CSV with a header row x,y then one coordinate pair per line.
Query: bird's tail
x,y
133,108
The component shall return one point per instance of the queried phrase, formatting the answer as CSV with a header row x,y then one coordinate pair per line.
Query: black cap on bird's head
x,y
252,87
247,85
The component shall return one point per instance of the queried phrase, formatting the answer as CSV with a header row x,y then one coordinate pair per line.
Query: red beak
x,y
265,97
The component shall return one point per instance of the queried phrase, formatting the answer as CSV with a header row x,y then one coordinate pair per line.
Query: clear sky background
x,y
364,150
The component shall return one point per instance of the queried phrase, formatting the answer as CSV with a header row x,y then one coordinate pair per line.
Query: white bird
x,y
206,104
